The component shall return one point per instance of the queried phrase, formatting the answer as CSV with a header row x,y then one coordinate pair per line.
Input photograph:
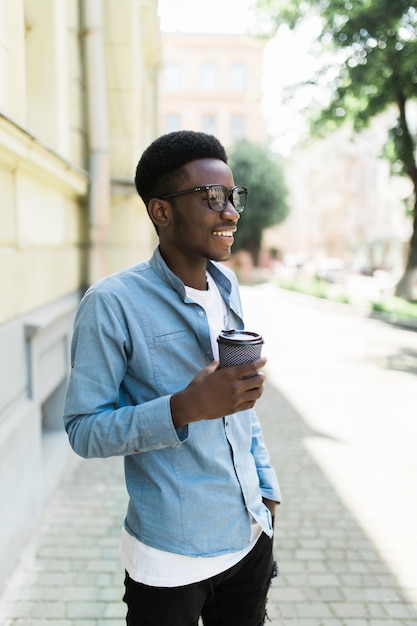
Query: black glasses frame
x,y
230,194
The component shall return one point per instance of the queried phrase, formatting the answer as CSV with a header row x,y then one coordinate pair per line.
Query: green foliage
x,y
374,67
377,48
396,307
390,306
316,288
260,171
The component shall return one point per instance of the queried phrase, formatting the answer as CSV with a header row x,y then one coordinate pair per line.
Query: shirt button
x,y
201,313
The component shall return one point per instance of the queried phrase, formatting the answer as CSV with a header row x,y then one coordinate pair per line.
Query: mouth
x,y
225,234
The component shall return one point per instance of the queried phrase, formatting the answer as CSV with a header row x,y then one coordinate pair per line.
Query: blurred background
x,y
316,107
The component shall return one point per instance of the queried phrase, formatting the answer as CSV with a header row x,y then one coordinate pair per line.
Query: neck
x,y
191,275
194,282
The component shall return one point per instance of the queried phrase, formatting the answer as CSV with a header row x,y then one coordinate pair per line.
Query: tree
x,y
376,42
259,170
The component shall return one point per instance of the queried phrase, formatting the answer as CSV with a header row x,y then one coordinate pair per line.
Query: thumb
x,y
212,367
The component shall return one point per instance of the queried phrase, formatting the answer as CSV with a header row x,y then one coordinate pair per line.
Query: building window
x,y
209,76
172,76
238,127
209,124
238,77
172,122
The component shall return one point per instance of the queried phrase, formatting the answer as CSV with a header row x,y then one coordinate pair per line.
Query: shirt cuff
x,y
156,426
269,484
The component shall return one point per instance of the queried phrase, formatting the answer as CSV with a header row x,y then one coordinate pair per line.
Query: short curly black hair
x,y
159,170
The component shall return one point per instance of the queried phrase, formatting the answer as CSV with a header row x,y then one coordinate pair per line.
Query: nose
x,y
229,212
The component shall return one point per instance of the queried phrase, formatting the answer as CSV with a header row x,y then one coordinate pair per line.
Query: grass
x,y
396,306
316,288
388,305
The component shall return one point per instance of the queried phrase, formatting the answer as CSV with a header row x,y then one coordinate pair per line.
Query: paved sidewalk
x,y
331,575
70,574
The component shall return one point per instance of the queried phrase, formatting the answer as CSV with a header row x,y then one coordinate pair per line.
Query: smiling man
x,y
145,383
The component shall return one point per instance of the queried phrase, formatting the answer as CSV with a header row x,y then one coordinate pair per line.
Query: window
x,y
237,77
172,122
209,124
238,127
209,76
172,76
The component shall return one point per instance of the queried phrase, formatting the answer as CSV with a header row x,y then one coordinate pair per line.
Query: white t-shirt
x,y
158,568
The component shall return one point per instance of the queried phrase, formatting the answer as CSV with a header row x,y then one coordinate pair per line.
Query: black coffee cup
x,y
239,346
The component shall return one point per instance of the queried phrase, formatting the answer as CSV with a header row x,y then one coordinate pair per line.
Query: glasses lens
x,y
217,197
239,195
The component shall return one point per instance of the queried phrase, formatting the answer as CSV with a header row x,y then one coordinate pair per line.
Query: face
x,y
197,233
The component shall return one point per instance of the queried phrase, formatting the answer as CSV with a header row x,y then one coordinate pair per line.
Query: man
x,y
145,383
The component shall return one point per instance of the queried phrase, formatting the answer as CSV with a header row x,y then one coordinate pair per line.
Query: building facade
x,y
77,108
345,203
212,83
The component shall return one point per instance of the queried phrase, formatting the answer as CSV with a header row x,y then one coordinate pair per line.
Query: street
x,y
351,383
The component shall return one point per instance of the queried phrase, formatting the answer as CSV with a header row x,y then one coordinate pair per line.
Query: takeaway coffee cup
x,y
239,346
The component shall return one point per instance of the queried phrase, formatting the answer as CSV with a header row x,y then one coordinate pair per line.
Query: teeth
x,y
224,233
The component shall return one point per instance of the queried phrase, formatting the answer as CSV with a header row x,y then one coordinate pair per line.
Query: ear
x,y
159,212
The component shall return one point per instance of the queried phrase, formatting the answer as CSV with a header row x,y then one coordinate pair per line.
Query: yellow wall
x,y
53,239
41,240
43,144
132,45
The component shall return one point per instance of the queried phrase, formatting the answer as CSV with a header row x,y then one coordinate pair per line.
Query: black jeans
x,y
236,597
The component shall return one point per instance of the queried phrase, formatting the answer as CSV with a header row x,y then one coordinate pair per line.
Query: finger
x,y
212,367
251,368
261,362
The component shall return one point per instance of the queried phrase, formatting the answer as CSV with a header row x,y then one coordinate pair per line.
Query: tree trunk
x,y
254,249
405,286
253,246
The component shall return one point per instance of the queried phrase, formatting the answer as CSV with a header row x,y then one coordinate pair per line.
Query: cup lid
x,y
241,337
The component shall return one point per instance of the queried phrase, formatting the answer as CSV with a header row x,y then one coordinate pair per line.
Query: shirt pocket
x,y
177,360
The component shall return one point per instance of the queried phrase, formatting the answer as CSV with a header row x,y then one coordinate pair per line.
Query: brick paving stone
x,y
382,595
388,622
399,611
324,580
317,567
306,554
313,609
48,610
91,610
377,610
331,594
349,609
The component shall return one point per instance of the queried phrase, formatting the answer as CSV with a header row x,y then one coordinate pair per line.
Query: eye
x,y
216,195
213,197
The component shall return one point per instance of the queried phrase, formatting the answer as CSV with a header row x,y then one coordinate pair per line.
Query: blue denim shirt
x,y
137,340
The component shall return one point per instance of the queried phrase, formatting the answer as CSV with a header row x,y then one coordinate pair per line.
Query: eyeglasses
x,y
218,196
